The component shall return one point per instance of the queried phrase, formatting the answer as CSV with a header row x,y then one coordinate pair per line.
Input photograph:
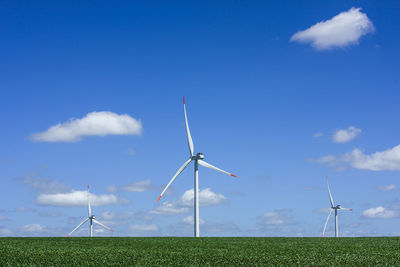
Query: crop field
x,y
177,251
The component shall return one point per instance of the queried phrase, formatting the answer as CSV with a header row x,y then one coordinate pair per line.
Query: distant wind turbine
x,y
333,208
198,159
90,218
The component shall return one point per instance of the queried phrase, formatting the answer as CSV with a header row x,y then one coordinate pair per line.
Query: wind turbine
x,y
333,208
90,218
198,159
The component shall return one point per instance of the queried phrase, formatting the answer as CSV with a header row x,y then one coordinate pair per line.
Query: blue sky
x,y
272,96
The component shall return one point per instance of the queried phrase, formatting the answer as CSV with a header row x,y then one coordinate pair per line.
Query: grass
x,y
174,251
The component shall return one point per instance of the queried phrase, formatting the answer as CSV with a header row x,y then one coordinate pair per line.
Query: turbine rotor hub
x,y
198,156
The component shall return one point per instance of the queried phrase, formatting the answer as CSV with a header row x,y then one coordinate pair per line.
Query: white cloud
x,y
5,232
322,211
108,215
115,218
25,209
112,189
381,213
93,124
387,160
143,228
32,228
276,218
190,220
206,198
384,188
42,185
316,135
75,198
277,223
140,186
346,135
169,208
342,30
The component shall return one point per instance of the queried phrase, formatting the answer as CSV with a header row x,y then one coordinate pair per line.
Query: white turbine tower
x,y
333,208
90,218
198,159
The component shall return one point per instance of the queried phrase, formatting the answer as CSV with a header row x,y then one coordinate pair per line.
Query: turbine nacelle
x,y
198,156
91,217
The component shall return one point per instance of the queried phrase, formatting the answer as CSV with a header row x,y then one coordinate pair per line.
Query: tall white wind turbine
x,y
90,218
198,159
333,208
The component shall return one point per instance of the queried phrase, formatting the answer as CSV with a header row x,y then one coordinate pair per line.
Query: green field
x,y
171,251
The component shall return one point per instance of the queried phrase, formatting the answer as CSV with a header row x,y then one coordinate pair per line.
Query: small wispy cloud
x,y
5,231
139,186
43,185
75,198
346,135
316,135
190,220
385,188
342,30
169,208
93,124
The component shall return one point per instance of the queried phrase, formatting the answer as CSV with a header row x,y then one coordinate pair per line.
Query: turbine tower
x,y
198,159
333,208
90,218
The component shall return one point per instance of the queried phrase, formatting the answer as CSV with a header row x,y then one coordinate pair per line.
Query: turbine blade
x,y
346,209
79,225
208,165
189,137
99,223
329,191
176,175
327,219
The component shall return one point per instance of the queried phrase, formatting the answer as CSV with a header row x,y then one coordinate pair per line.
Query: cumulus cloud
x,y
381,213
385,188
342,30
93,124
387,160
346,135
75,198
206,198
